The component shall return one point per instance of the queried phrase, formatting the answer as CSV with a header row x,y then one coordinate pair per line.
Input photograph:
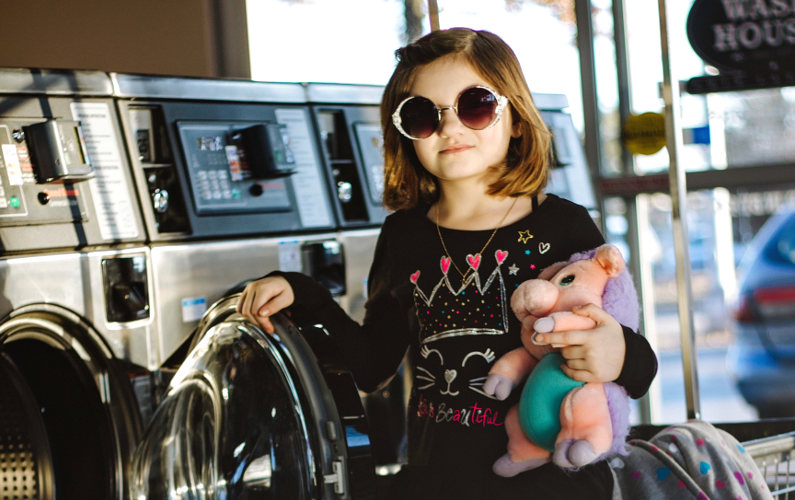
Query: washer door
x,y
25,458
250,415
68,416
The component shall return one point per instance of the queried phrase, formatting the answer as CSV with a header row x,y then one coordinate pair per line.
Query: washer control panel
x,y
234,166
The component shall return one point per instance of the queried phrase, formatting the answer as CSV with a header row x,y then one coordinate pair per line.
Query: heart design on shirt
x,y
543,247
445,264
474,261
414,277
501,255
449,375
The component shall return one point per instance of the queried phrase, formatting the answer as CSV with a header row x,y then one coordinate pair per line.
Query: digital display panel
x,y
229,170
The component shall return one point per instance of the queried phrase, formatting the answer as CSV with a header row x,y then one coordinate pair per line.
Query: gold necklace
x,y
477,255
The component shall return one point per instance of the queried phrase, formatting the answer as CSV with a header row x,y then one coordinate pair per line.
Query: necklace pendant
x,y
472,260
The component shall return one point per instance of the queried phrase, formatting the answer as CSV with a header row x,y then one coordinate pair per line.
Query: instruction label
x,y
113,204
313,206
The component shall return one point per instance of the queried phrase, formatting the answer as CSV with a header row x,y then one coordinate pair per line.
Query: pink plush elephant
x,y
557,418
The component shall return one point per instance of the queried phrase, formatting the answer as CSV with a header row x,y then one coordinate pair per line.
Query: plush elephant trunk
x,y
538,296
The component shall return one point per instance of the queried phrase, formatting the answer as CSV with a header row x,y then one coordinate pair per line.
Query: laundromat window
x,y
321,41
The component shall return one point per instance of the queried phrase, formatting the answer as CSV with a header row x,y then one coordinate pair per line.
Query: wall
x,y
172,37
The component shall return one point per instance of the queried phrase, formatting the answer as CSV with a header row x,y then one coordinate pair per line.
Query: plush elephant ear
x,y
620,298
610,259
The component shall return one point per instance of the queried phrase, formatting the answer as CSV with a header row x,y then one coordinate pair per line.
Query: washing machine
x,y
76,333
253,415
234,184
348,126
232,187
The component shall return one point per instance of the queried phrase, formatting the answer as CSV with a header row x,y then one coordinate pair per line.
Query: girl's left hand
x,y
594,355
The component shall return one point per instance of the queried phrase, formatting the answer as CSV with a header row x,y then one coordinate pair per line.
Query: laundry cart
x,y
775,457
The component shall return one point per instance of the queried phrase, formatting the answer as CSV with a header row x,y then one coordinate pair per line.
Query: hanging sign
x,y
644,134
744,35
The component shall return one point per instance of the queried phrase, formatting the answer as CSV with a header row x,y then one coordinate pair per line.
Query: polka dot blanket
x,y
690,460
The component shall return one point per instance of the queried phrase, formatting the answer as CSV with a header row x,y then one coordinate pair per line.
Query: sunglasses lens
x,y
419,117
477,108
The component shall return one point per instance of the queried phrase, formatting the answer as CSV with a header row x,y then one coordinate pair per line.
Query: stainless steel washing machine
x,y
234,185
76,332
348,127
347,119
253,415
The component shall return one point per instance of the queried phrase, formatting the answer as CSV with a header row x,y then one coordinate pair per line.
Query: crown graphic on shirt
x,y
475,308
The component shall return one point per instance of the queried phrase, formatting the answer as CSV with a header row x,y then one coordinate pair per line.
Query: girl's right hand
x,y
263,298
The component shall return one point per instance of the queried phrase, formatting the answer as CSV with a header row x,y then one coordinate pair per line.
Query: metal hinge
x,y
337,478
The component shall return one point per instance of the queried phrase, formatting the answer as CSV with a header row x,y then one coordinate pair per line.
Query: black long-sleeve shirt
x,y
455,329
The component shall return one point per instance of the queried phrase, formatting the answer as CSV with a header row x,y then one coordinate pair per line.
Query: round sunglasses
x,y
478,108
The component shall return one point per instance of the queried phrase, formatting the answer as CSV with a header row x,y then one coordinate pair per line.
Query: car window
x,y
786,241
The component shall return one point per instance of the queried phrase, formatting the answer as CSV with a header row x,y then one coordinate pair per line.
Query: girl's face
x,y
455,153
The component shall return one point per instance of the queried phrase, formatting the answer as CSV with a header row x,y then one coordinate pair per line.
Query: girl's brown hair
x,y
524,172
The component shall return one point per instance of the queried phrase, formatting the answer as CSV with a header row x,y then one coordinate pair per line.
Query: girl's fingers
x,y
273,304
262,298
594,312
574,352
243,304
265,323
577,364
561,339
581,375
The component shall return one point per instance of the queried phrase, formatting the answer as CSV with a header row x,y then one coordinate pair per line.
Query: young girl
x,y
466,159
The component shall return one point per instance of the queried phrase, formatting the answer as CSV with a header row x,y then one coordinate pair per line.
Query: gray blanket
x,y
691,460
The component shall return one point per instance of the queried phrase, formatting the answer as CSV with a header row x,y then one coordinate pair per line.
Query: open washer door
x,y
255,416
68,415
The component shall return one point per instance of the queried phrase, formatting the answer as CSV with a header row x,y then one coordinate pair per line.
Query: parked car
x,y
762,356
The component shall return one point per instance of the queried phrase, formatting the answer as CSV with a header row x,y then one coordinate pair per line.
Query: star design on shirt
x,y
513,270
525,236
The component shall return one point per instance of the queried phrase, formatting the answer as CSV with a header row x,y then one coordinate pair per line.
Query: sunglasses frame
x,y
502,102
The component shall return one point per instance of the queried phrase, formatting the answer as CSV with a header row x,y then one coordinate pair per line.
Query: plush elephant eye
x,y
567,280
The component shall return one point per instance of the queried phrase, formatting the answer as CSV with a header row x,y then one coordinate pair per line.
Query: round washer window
x,y
231,424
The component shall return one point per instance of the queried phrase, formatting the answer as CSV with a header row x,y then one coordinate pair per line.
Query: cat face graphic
x,y
452,376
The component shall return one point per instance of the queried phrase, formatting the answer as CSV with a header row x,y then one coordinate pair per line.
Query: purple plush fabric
x,y
618,404
621,300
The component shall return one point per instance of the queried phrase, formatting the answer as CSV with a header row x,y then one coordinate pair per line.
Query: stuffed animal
x,y
557,418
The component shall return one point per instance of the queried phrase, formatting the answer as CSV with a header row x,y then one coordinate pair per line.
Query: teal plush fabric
x,y
542,396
